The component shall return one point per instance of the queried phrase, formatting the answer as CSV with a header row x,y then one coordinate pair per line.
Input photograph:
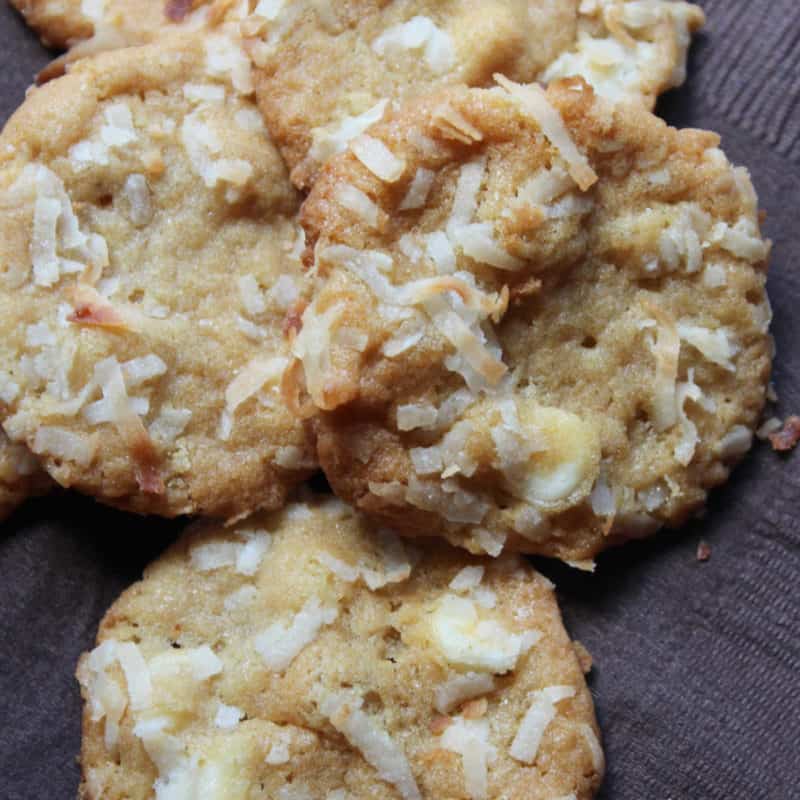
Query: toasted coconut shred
x,y
252,378
666,350
92,309
533,100
110,379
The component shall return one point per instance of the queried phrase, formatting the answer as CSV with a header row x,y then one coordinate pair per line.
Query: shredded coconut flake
x,y
204,93
226,58
666,350
339,568
715,345
490,542
334,138
418,33
736,442
416,415
470,739
241,598
63,444
141,370
418,191
227,717
279,752
447,499
467,579
458,690
741,240
477,241
170,423
252,378
595,749
203,146
137,194
374,743
440,250
245,555
251,295
602,498
689,390
56,229
377,158
533,100
541,713
360,204
279,645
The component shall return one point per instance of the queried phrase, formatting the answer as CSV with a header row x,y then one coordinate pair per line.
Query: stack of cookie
x,y
442,251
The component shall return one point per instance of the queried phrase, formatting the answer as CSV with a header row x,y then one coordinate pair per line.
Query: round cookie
x,y
306,654
21,476
150,261
325,74
540,319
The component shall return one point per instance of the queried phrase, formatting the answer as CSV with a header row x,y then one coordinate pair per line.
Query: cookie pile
x,y
442,251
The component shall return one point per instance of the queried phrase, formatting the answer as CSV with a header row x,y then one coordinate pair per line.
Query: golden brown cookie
x,y
540,320
149,254
307,655
630,49
326,73
109,23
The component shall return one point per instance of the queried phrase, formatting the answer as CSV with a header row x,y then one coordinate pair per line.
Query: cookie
x,y
21,476
540,318
305,654
325,74
108,24
630,49
150,260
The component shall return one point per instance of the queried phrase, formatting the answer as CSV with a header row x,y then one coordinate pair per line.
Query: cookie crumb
x,y
787,437
703,552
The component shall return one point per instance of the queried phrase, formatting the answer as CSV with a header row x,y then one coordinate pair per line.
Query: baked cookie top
x,y
307,655
21,476
150,257
629,49
95,25
325,74
540,318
